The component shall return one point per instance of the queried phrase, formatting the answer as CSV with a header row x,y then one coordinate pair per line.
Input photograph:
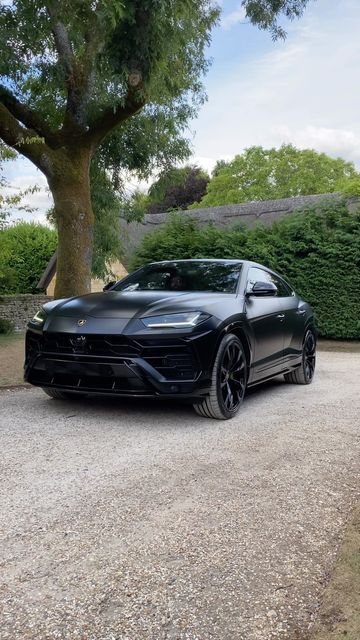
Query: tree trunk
x,y
70,187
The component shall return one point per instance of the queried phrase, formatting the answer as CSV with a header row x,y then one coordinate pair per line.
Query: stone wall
x,y
20,308
249,214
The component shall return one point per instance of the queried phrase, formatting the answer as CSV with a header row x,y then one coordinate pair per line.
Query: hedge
x,y
25,250
317,249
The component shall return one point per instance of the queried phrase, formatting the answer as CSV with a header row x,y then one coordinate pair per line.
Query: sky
x,y
305,91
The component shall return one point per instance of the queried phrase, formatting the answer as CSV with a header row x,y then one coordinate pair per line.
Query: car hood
x,y
131,304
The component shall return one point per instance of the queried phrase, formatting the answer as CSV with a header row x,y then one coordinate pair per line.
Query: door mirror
x,y
108,286
263,289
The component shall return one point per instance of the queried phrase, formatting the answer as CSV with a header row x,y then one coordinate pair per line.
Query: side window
x,y
259,275
284,291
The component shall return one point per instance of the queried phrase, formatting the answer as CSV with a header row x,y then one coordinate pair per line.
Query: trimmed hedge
x,y
25,250
316,249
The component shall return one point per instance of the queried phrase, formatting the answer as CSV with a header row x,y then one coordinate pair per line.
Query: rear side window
x,y
260,275
284,290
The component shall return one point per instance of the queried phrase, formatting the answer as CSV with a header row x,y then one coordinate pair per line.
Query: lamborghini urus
x,y
200,330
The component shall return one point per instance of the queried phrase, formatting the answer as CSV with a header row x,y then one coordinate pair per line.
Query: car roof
x,y
218,260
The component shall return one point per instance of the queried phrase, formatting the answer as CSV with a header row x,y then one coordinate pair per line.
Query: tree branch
x,y
62,40
27,116
75,109
25,141
111,118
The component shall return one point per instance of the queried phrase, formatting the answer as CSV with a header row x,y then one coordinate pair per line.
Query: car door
x,y
265,319
294,320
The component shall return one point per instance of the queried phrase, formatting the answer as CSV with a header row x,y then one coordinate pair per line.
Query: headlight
x,y
39,318
175,320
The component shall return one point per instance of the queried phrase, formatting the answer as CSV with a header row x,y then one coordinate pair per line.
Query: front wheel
x,y
305,373
228,381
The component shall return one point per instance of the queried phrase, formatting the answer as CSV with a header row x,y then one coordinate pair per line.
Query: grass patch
x,y
339,345
340,610
11,359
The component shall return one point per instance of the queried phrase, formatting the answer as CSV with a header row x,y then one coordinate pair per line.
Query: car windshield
x,y
199,276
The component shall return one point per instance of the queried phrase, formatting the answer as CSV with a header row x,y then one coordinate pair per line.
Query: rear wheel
x,y
228,381
61,395
305,373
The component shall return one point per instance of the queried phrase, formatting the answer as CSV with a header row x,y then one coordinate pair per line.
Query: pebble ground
x,y
128,520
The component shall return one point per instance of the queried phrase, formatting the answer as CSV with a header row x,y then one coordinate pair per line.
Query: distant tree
x,y
177,188
266,174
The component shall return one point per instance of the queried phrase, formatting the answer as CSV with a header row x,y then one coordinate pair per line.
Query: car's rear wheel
x,y
61,395
228,381
305,373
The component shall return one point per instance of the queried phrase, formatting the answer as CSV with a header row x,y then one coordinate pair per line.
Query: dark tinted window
x,y
283,289
259,275
184,276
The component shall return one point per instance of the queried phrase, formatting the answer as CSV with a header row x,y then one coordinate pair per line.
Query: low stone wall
x,y
20,308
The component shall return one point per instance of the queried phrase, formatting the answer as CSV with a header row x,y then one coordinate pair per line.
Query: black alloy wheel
x,y
305,373
228,381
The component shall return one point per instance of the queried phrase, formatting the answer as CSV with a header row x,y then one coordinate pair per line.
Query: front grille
x,y
173,358
95,345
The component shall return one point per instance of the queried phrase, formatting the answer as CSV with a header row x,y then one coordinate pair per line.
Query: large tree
x,y
267,174
75,70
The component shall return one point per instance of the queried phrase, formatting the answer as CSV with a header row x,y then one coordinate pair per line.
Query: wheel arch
x,y
240,333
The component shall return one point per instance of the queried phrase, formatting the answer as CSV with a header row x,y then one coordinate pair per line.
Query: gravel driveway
x,y
133,520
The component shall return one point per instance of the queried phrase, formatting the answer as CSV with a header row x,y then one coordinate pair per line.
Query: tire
x,y
228,381
305,373
61,395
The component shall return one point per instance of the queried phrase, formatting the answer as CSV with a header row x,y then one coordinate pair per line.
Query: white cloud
x,y
21,176
233,18
304,90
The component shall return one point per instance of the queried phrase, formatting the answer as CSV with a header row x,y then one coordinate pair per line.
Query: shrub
x,y
317,249
25,249
6,326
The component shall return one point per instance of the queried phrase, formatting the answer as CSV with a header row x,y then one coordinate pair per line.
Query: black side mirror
x,y
263,289
109,285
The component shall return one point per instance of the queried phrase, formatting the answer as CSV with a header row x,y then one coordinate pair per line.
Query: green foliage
x,y
25,249
266,13
6,327
157,47
316,249
106,206
351,188
269,174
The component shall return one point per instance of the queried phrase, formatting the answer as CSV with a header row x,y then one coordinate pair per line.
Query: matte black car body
x,y
97,343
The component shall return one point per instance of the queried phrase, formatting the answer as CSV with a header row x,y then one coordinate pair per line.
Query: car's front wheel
x,y
61,395
228,381
305,373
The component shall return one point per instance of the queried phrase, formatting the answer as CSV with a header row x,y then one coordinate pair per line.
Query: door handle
x,y
281,316
301,312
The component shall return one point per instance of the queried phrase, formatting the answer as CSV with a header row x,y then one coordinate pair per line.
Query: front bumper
x,y
120,365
